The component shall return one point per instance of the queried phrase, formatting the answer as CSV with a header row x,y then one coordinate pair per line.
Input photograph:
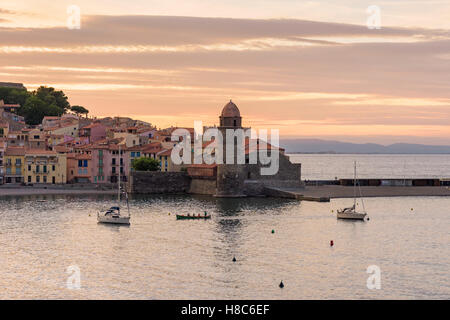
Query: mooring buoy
x,y
234,259
273,231
281,284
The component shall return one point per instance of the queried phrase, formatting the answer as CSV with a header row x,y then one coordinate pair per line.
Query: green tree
x,y
79,110
36,109
13,95
145,164
52,96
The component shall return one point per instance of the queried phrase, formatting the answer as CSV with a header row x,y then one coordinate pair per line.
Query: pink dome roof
x,y
230,110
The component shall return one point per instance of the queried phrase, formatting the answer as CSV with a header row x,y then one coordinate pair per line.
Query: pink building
x,y
79,168
94,132
107,163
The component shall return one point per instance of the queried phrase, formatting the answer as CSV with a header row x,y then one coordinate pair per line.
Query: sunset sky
x,y
312,69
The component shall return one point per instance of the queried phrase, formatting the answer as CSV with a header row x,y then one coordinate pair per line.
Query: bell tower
x,y
230,177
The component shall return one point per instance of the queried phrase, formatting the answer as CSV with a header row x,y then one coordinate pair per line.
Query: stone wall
x,y
150,182
203,186
287,171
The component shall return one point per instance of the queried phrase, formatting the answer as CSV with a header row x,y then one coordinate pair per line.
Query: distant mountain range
x,y
328,146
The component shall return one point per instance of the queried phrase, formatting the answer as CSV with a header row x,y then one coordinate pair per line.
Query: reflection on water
x,y
158,257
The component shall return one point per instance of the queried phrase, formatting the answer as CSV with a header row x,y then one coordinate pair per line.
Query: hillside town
x,y
75,149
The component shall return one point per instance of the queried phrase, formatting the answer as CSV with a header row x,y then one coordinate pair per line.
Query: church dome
x,y
230,110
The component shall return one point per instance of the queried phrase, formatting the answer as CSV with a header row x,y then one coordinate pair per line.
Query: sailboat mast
x,y
118,192
354,186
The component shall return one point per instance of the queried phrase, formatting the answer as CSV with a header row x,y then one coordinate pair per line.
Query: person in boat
x,y
206,213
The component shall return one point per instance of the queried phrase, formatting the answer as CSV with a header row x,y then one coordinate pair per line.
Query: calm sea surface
x,y
158,257
331,166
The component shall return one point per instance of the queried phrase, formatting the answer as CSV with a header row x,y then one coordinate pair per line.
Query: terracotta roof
x,y
15,151
39,152
61,149
92,125
259,146
166,152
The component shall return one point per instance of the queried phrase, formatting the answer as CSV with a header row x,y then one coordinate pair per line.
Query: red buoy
x,y
331,243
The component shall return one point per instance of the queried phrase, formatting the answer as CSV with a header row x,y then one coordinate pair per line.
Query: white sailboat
x,y
113,215
351,213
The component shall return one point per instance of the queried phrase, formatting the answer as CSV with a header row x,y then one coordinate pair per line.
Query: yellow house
x,y
13,161
45,166
165,162
65,130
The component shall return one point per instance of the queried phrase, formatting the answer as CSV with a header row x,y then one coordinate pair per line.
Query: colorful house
x,y
79,168
164,159
45,166
2,153
13,160
93,132
108,162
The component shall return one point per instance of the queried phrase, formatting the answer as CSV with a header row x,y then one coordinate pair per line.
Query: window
x,y
38,179
45,179
18,171
53,180
53,167
18,162
138,154
85,163
45,169
132,154
29,179
121,169
37,169
29,167
113,170
80,163
113,161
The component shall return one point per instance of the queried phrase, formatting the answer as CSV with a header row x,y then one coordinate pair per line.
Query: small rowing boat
x,y
192,217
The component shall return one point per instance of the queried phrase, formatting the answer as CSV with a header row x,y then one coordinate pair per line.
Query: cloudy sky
x,y
312,69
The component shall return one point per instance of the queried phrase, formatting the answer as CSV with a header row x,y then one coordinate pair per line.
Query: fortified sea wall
x,y
154,182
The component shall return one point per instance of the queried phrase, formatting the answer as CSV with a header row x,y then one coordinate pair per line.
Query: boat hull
x,y
113,220
180,217
351,215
